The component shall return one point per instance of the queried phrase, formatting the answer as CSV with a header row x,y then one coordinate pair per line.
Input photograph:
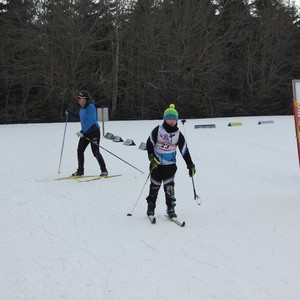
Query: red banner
x,y
296,107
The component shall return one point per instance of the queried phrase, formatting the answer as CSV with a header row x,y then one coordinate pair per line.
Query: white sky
x,y
297,2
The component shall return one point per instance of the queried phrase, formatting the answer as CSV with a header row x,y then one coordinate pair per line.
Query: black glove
x,y
67,112
192,170
154,160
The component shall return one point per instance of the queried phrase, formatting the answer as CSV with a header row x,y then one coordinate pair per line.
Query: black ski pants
x,y
165,174
83,143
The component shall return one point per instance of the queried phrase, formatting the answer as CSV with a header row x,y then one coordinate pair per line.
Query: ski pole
x,y
130,214
183,122
113,154
63,142
196,197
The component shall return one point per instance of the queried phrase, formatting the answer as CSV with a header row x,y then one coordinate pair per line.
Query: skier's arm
x,y
186,155
184,150
72,114
151,141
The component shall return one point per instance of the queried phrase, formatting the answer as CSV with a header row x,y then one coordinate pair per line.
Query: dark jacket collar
x,y
169,128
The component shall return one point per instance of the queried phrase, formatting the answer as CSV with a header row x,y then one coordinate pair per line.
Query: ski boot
x,y
150,209
171,213
170,201
104,173
151,199
79,172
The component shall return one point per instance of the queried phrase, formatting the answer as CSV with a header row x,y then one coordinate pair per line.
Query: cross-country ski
x,y
98,178
176,221
152,219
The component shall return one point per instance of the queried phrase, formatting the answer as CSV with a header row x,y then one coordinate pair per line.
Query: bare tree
x,y
212,58
116,48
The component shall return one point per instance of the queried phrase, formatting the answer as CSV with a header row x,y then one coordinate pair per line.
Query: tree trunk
x,y
116,64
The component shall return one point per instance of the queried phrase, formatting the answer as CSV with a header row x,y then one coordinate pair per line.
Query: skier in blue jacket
x,y
90,130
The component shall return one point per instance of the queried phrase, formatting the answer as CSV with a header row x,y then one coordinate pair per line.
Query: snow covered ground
x,y
70,240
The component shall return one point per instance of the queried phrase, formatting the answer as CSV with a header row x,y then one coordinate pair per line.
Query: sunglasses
x,y
79,98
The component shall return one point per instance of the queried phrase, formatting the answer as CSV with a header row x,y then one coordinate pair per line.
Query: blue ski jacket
x,y
88,117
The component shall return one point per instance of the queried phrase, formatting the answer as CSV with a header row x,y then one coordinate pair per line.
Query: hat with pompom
x,y
84,94
171,113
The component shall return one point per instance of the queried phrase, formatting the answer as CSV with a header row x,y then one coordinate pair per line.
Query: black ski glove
x,y
154,160
192,170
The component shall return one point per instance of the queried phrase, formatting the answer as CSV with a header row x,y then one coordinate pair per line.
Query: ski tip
x,y
183,224
152,219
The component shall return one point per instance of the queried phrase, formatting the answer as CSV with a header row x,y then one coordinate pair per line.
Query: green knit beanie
x,y
171,113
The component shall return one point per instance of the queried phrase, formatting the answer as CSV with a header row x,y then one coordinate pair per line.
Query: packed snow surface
x,y
73,240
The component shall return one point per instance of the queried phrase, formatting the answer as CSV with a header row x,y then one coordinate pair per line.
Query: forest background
x,y
211,58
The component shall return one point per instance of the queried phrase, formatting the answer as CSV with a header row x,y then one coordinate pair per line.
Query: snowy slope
x,y
71,240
